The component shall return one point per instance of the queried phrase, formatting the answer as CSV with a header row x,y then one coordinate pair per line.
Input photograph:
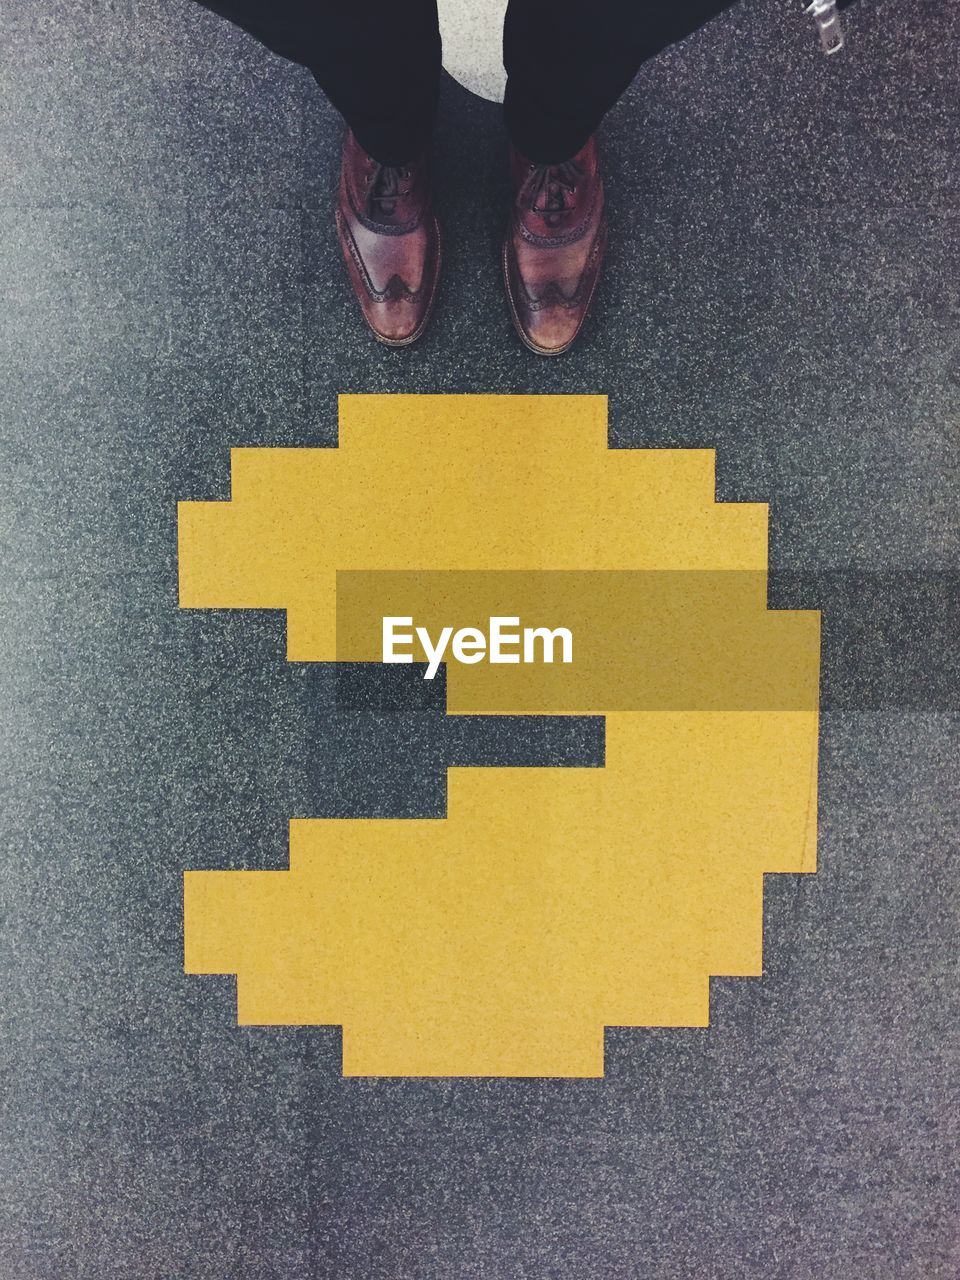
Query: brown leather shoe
x,y
554,247
391,242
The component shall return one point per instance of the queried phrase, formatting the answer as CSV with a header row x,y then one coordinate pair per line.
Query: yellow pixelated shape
x,y
549,903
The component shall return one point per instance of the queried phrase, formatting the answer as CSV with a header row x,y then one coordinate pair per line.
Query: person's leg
x,y
568,61
378,61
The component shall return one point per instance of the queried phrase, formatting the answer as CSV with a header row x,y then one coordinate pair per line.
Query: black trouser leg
x,y
568,61
378,61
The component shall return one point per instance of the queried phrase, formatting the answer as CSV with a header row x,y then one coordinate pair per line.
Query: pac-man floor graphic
x,y
549,903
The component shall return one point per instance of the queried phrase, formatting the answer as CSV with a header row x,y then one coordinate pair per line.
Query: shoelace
x,y
386,187
551,183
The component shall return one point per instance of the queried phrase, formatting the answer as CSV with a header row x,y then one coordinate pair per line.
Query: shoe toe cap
x,y
395,323
551,330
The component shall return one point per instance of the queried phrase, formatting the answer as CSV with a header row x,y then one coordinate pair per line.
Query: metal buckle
x,y
827,18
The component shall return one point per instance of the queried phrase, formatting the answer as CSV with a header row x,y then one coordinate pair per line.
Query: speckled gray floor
x,y
783,284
